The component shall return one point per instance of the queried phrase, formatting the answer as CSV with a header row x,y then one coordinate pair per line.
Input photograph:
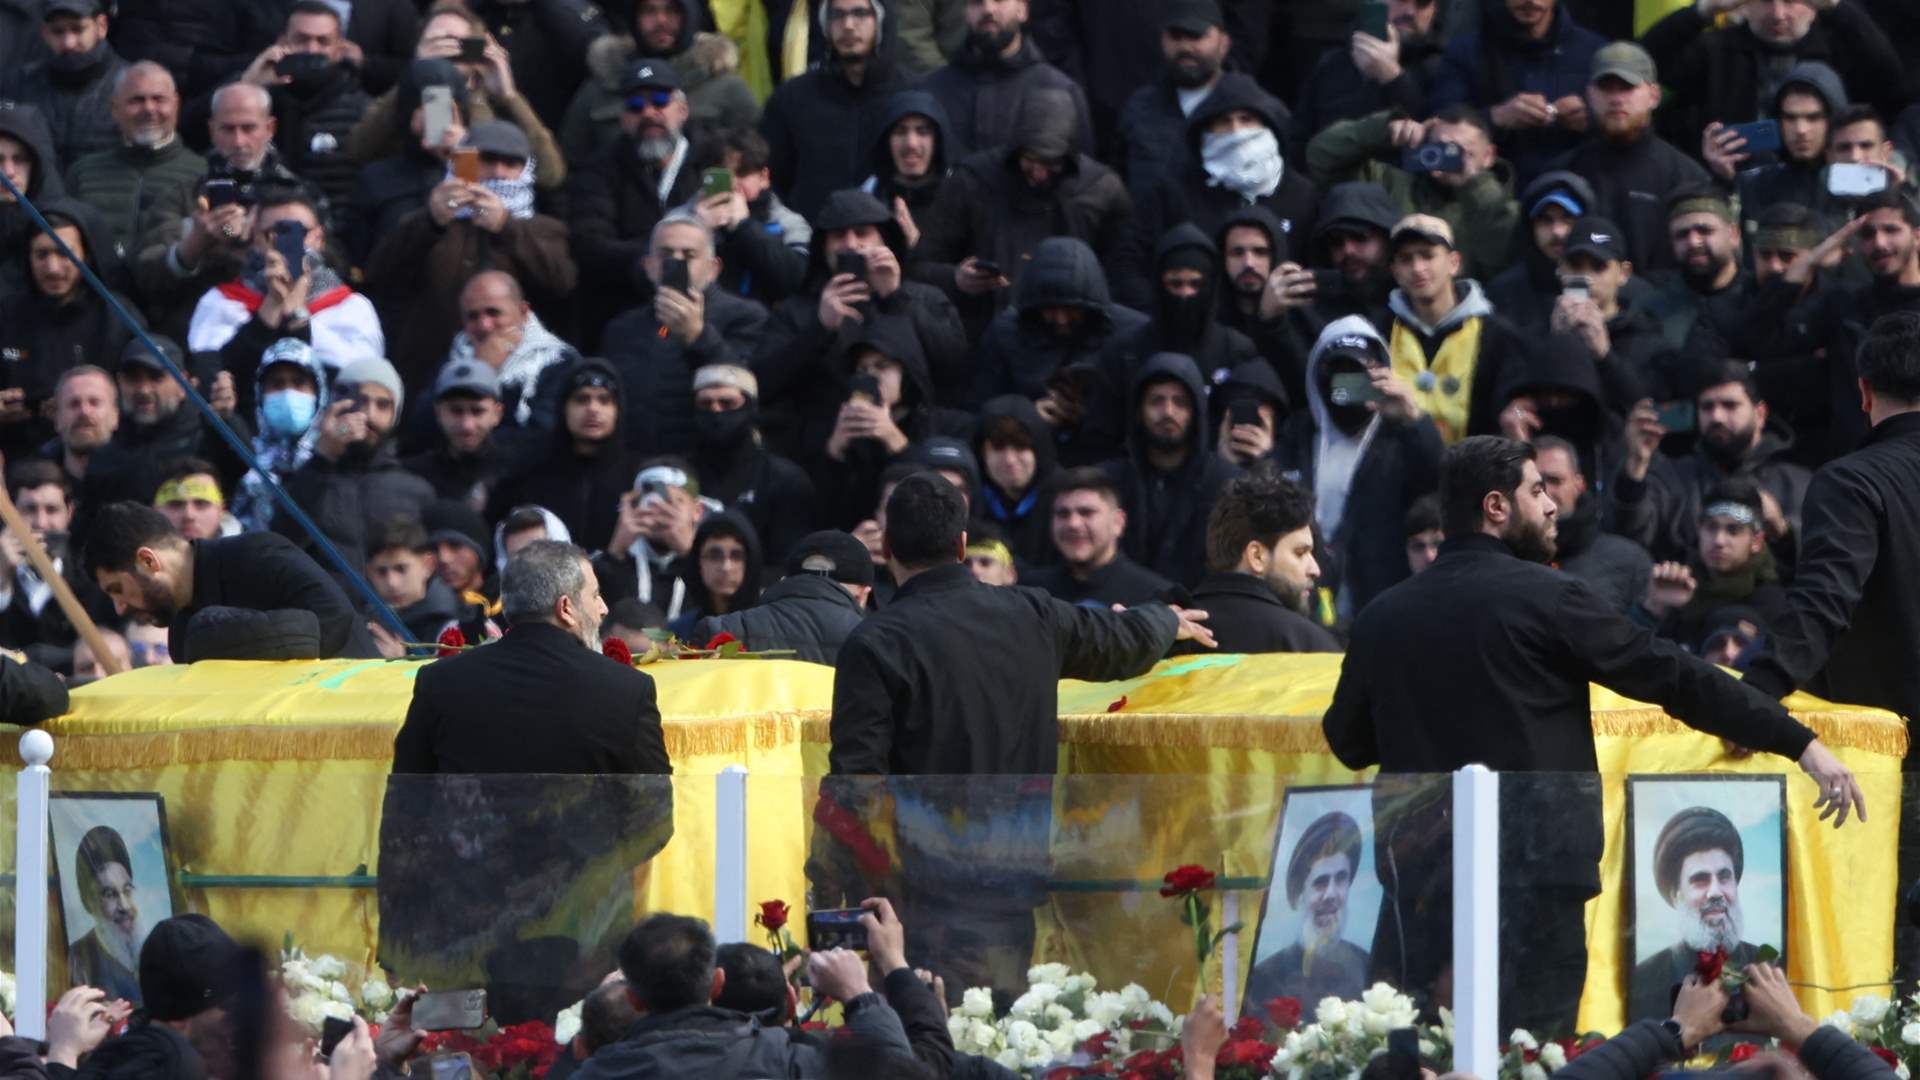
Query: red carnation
x,y
773,914
1886,1055
1709,965
1284,1012
1098,1046
1245,1052
1743,1051
452,641
1187,879
615,649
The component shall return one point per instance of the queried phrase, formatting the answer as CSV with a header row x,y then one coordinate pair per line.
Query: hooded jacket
x,y
1026,519
699,601
985,95
882,184
987,208
850,488
1564,371
1524,292
1730,75
1363,477
1191,197
40,339
1019,353
26,125
1803,183
808,613
76,104
1167,512
802,379
1502,350
1662,512
351,497
278,456
582,491
1189,326
820,128
1355,203
658,367
775,495
1282,341
1489,66
708,65
1254,379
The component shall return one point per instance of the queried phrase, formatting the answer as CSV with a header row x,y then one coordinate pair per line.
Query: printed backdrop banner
x,y
274,775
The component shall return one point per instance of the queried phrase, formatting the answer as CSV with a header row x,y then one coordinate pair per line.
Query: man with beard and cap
x,y
73,85
1015,448
157,425
1170,474
469,457
615,201
587,465
997,206
1061,318
317,97
1611,565
822,125
1445,340
56,322
150,573
1657,498
879,421
1351,239
1524,293
1791,309
775,495
1632,170
1804,107
910,160
812,609
1488,656
1261,575
657,346
1698,863
799,359
108,956
1708,304
1624,344
123,182
1527,65
470,713
670,30
1731,566
1237,162
1365,461
1247,408
761,244
1371,75
1477,199
27,158
985,86
1321,874
354,480
1731,70
1186,288
1150,139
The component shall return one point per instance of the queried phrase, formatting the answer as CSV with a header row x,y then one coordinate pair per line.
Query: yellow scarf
x,y
1444,387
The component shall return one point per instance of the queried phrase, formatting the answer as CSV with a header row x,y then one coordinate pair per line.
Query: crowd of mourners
x,y
685,282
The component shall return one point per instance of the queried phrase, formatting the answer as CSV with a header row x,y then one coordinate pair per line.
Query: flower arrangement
x,y
516,1052
1889,1028
316,988
1063,1023
1345,1035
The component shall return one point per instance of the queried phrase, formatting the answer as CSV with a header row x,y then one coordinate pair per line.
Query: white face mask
x,y
1246,162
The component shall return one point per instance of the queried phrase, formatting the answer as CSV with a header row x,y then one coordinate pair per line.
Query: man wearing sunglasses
x,y
619,197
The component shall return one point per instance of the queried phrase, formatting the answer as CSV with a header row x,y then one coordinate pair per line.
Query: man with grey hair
x,y
493,710
616,199
687,325
150,160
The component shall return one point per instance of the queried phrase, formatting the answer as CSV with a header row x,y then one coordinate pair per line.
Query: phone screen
x,y
290,240
851,262
222,193
865,385
1244,411
1677,416
716,182
451,1010
1576,286
1353,388
466,165
1373,19
1763,136
838,928
436,113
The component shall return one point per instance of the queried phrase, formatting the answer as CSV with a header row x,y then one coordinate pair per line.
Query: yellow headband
x,y
993,549
187,488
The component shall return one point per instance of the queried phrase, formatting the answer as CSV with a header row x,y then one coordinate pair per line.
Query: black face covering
x,y
1183,319
723,430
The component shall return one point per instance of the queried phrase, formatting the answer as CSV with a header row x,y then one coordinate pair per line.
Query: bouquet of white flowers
x,y
317,989
1062,1018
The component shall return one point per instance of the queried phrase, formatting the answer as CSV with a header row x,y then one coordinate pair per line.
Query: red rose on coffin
x,y
1709,965
1742,1052
452,641
1886,1055
1285,1013
1187,879
719,639
773,914
615,649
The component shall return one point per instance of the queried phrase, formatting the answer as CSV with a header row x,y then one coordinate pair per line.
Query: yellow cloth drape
x,y
745,22
1648,12
1444,386
278,769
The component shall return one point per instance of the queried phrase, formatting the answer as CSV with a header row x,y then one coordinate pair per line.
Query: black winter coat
x,y
1853,628
1632,184
613,203
820,131
76,105
658,371
550,40
984,97
311,129
1662,512
1026,521
1018,353
471,713
718,1044
908,698
809,613
1246,616
1336,91
1188,198
1167,512
384,193
201,41
352,497
1121,581
266,572
775,495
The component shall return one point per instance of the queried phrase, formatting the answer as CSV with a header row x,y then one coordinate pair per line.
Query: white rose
x,y
1841,1020
1008,1059
1552,1056
1911,1033
567,1024
1157,1011
1106,1009
1375,1023
328,967
1080,984
1869,1010
311,1012
338,991
1087,1029
1061,1042
1383,998
1532,1072
1900,1071
1059,1016
977,1001
1021,1033
1025,1005
1047,974
983,1036
376,994
1522,1040
1134,996
1332,1012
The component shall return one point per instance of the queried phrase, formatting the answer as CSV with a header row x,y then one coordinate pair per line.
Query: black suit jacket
x,y
533,702
1247,616
266,572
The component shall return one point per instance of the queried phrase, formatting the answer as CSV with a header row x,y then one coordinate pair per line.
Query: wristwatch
x,y
1679,1035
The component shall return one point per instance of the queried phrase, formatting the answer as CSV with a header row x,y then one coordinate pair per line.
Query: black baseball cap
x,y
649,73
834,554
1194,17
85,9
1598,237
137,353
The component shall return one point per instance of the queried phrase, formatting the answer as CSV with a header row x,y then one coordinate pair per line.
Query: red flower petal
x,y
615,649
1118,705
719,639
1743,1051
452,641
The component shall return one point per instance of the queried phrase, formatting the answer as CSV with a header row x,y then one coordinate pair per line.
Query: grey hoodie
x,y
1474,303
1337,454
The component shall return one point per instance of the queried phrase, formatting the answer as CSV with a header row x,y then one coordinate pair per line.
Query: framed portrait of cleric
x,y
1323,898
112,864
1708,870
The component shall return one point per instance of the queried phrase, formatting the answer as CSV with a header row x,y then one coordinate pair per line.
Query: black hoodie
x,y
984,95
1025,520
882,184
1189,197
820,129
1019,353
1167,512
771,492
1188,326
24,124
699,601
582,491
1283,341
1563,380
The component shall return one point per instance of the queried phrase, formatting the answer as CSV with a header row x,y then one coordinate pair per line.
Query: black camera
x,y
1434,157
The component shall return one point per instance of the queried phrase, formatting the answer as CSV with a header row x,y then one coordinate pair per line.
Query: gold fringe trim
x,y
1856,729
1195,731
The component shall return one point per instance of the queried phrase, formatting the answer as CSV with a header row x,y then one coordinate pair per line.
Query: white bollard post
x,y
30,886
730,855
1476,921
1230,955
